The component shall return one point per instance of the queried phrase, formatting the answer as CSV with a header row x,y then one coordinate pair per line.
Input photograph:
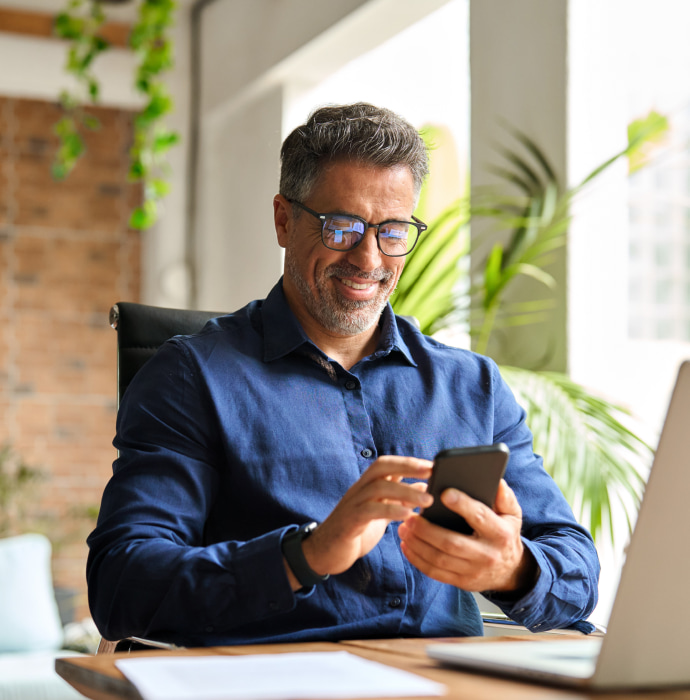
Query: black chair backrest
x,y
142,329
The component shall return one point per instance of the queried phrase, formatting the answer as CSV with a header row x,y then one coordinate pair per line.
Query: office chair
x,y
141,330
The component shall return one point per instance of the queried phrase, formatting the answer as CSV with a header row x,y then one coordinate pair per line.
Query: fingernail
x,y
451,496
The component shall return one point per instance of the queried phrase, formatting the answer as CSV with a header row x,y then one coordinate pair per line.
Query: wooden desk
x,y
98,678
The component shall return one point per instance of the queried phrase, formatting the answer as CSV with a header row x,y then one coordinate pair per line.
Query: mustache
x,y
349,270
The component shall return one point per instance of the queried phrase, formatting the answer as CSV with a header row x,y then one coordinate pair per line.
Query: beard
x,y
333,311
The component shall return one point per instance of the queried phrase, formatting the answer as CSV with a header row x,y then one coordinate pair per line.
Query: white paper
x,y
305,675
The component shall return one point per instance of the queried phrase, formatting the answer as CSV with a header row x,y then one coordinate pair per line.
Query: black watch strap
x,y
292,551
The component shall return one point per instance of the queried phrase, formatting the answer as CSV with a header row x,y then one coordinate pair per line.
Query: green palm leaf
x,y
596,460
586,447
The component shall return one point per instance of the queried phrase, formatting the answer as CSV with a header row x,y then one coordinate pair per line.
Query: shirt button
x,y
273,606
366,452
350,384
395,602
209,628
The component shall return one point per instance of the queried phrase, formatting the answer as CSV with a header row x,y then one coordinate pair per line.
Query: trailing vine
x,y
81,23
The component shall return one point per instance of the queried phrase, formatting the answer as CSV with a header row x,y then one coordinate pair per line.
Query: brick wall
x,y
66,255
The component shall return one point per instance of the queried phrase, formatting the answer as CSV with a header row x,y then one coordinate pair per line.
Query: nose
x,y
366,256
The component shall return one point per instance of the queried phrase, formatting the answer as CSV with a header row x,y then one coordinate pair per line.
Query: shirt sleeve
x,y
149,570
566,589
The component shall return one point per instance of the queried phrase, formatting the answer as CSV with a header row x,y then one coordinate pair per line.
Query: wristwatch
x,y
292,551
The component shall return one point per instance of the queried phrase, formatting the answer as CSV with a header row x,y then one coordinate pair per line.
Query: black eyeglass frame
x,y
419,225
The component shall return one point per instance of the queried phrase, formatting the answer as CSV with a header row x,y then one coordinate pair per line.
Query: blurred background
x,y
571,75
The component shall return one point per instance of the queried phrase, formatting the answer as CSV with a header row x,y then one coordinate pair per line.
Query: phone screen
x,y
474,470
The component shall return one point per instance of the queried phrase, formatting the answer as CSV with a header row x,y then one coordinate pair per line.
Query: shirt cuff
x,y
532,609
528,609
261,577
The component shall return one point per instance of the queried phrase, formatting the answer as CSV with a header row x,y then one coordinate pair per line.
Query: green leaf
x,y
59,170
644,135
66,26
536,273
164,141
159,188
145,216
592,455
90,122
492,271
137,170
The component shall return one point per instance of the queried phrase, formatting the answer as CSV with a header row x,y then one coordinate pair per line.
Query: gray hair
x,y
358,132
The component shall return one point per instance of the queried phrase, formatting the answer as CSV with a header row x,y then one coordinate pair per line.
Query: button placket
x,y
358,418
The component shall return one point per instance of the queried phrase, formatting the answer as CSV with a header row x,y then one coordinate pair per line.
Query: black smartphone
x,y
474,470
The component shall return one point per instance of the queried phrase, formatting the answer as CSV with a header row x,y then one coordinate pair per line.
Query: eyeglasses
x,y
346,231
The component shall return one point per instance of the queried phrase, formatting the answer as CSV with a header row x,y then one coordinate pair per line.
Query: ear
x,y
282,218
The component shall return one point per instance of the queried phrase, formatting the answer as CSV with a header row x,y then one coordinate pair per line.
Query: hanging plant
x,y
80,24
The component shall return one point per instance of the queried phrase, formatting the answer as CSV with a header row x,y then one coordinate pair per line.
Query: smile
x,y
355,285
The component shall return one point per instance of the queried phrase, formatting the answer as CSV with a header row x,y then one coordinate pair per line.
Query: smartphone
x,y
474,470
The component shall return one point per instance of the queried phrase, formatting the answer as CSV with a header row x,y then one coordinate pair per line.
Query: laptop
x,y
648,637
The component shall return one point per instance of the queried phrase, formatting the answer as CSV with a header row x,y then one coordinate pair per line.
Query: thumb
x,y
506,501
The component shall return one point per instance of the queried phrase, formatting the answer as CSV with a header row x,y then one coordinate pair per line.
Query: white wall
x,y
598,236
254,54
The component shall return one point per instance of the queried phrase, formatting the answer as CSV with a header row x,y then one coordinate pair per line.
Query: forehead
x,y
350,185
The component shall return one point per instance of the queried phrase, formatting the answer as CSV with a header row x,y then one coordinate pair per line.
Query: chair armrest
x,y
132,644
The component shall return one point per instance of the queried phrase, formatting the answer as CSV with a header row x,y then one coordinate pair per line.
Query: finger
x,y
418,528
398,468
439,565
479,516
506,501
383,490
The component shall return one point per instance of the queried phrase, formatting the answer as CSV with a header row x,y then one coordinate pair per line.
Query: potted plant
x,y
595,458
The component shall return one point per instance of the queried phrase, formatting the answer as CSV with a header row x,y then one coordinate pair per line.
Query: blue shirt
x,y
231,438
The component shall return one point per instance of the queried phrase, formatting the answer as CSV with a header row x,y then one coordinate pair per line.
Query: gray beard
x,y
335,313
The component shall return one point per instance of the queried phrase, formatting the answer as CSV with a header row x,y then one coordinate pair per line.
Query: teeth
x,y
354,285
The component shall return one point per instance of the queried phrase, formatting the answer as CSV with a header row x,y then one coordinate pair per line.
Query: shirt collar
x,y
283,333
391,338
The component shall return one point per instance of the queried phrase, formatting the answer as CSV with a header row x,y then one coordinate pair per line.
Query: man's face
x,y
344,292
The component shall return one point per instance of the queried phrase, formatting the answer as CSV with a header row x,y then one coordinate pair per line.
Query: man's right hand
x,y
358,522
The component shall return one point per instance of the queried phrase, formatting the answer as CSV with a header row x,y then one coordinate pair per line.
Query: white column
x,y
518,65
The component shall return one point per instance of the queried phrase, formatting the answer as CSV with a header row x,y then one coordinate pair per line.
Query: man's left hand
x,y
493,558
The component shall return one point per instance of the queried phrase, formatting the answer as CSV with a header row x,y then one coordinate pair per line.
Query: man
x,y
271,468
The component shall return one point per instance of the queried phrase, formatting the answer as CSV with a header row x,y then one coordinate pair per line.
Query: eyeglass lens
x,y
344,232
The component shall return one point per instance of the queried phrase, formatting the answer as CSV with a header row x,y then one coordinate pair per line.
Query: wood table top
x,y
97,677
